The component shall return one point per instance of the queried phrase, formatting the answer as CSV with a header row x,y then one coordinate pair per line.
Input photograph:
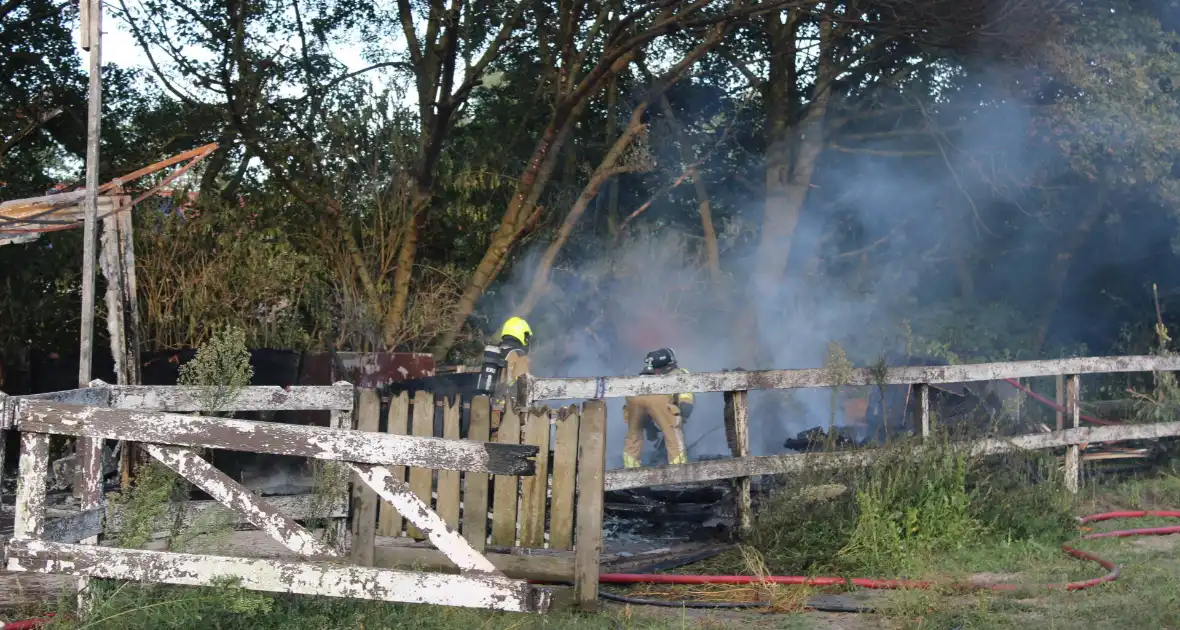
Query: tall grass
x,y
907,504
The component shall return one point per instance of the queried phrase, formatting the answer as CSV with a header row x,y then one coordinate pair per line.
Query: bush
x,y
903,507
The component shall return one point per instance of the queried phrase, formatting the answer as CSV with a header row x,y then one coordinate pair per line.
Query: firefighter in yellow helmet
x,y
515,336
666,412
504,362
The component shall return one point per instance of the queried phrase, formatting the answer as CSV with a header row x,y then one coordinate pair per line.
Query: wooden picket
x,y
390,522
504,499
532,528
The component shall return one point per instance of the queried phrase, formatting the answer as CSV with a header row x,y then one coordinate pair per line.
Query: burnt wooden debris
x,y
274,438
75,527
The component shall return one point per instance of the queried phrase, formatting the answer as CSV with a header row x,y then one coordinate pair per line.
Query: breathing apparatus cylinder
x,y
494,362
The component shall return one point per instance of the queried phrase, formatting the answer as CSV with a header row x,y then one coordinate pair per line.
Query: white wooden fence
x,y
736,384
148,415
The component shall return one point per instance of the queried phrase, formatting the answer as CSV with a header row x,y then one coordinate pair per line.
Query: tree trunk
x,y
1059,269
712,255
528,191
607,169
406,254
794,149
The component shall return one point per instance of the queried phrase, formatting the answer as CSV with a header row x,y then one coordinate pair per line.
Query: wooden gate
x,y
167,437
546,526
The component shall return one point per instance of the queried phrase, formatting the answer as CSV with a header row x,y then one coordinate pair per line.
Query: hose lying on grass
x,y
872,583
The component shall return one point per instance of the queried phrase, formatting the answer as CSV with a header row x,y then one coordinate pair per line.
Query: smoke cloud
x,y
878,259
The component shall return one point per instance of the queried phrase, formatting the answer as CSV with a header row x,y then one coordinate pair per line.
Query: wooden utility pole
x,y
91,34
88,482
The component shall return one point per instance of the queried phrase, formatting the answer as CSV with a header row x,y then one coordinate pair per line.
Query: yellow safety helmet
x,y
517,329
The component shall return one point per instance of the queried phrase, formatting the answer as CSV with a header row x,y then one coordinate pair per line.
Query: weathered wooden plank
x,y
1073,406
534,490
922,409
533,389
229,492
1060,396
476,485
738,407
299,507
418,512
421,478
30,486
93,396
364,537
565,470
389,521
5,423
272,437
713,470
254,398
75,527
526,567
591,469
448,480
304,578
504,502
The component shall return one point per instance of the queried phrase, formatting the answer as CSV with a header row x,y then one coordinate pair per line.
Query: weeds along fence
x,y
546,526
157,419
735,386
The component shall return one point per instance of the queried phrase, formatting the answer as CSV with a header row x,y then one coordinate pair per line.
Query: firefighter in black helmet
x,y
666,412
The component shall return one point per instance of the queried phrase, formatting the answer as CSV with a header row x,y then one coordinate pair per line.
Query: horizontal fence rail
x,y
274,438
531,389
188,398
713,470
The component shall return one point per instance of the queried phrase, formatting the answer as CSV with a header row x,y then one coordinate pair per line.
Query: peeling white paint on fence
x,y
533,389
276,438
713,470
231,494
418,512
305,578
255,398
30,486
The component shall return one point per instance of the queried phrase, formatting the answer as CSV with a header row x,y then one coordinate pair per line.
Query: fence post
x,y
364,524
342,419
591,487
922,408
737,404
5,422
1061,401
1073,459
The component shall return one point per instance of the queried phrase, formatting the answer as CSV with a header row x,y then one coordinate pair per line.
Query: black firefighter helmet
x,y
658,361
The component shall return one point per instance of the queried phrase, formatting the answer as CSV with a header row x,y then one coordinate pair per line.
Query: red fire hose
x,y
871,583
26,624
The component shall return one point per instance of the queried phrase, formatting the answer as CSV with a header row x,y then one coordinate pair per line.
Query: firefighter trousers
x,y
665,415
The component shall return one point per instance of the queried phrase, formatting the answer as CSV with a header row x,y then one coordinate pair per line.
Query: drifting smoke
x,y
881,244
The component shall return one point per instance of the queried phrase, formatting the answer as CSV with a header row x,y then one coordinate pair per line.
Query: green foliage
x,y
221,369
146,504
903,509
212,267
